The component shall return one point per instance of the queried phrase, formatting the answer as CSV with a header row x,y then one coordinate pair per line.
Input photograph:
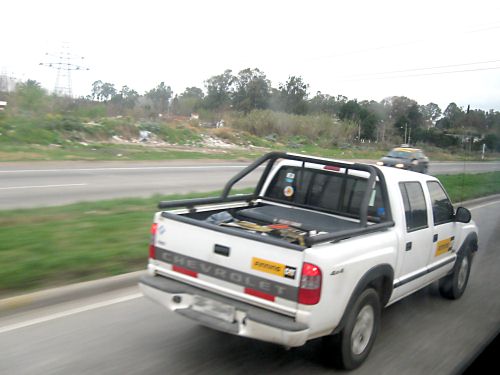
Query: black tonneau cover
x,y
303,219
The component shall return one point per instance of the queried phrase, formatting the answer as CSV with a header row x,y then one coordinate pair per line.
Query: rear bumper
x,y
249,321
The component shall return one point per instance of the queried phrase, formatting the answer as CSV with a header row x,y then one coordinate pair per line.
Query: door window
x,y
442,209
414,204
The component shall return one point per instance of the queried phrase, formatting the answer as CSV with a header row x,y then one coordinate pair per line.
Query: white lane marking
x,y
121,169
484,205
63,314
40,186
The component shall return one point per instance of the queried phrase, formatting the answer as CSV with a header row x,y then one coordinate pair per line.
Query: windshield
x,y
399,154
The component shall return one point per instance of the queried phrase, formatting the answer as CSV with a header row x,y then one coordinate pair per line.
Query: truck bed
x,y
299,218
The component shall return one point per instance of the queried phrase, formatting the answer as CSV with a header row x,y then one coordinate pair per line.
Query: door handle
x,y
435,238
408,246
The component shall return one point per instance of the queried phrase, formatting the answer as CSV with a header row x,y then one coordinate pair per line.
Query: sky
x,y
430,51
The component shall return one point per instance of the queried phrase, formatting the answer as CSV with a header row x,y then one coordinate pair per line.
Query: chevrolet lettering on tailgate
x,y
236,277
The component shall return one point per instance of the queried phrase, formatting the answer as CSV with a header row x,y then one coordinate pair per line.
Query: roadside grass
x,y
46,247
52,246
462,187
100,151
110,151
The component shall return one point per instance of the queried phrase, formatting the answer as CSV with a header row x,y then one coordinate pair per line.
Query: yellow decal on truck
x,y
443,246
273,268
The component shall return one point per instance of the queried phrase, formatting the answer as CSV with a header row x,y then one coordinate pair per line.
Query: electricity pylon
x,y
64,64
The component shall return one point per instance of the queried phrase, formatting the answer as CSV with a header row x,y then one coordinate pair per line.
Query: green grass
x,y
113,152
57,245
54,246
462,187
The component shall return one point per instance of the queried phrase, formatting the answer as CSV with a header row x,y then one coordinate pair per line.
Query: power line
x,y
450,72
477,29
426,68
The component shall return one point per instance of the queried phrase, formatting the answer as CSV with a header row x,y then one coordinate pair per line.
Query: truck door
x,y
441,257
417,240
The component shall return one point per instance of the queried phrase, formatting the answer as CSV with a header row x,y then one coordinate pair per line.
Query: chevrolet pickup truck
x,y
316,250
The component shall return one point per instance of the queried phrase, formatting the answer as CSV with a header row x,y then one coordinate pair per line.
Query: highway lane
x,y
51,184
26,185
423,333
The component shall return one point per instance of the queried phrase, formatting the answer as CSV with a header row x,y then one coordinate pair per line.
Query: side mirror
x,y
463,215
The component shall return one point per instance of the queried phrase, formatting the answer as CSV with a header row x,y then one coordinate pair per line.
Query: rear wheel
x,y
453,285
349,348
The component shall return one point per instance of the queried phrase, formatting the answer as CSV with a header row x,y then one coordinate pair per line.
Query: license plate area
x,y
213,308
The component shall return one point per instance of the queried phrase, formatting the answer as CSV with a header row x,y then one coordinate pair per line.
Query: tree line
x,y
392,119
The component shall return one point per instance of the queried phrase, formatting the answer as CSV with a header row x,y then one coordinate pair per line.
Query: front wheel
x,y
349,348
453,285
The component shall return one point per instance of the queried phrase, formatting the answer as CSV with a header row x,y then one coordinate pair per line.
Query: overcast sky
x,y
430,51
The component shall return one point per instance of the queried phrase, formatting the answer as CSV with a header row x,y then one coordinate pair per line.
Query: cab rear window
x,y
325,190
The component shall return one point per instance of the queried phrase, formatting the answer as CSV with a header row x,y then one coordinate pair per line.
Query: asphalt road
x,y
26,185
124,333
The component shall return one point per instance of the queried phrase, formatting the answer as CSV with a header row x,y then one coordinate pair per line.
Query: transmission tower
x,y
64,64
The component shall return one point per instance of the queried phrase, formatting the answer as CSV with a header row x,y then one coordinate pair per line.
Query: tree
x,y
103,91
453,113
362,116
193,92
431,113
293,96
252,90
452,116
160,97
405,116
219,91
189,101
30,96
96,90
108,91
126,98
324,103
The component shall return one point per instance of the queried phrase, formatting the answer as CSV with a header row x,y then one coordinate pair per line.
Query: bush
x,y
321,129
25,130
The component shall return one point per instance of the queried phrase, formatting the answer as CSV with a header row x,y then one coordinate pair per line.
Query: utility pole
x,y
406,131
64,64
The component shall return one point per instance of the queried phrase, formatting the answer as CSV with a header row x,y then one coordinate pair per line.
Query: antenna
x,y
64,63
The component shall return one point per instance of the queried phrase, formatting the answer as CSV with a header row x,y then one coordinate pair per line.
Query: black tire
x,y
348,349
453,285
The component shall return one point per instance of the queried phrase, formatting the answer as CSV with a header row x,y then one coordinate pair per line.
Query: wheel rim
x,y
462,273
363,329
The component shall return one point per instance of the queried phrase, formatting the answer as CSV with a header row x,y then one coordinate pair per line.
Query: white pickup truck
x,y
317,250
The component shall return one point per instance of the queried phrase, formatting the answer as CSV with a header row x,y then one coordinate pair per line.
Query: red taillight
x,y
154,227
310,284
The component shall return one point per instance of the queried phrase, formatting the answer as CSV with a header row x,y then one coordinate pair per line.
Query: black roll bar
x,y
271,158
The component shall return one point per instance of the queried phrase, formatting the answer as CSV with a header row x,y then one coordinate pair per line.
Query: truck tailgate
x,y
241,268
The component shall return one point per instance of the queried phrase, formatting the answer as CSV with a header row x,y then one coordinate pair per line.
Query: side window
x,y
414,203
442,209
